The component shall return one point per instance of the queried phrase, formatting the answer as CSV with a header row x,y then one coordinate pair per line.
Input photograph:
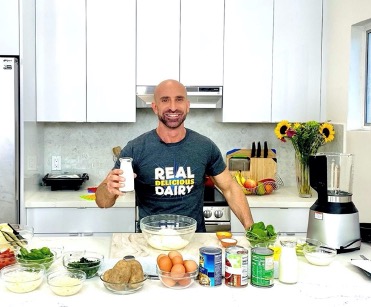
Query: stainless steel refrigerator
x,y
9,140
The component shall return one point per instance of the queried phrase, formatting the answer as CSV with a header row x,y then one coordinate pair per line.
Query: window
x,y
368,80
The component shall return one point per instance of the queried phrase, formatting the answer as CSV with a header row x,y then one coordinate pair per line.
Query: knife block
x,y
260,168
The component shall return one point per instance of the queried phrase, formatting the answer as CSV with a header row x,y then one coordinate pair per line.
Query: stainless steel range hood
x,y
200,97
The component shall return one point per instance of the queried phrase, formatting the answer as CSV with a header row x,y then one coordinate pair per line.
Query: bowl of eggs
x,y
168,231
176,272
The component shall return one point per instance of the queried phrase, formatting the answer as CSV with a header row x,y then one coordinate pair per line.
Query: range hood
x,y
200,97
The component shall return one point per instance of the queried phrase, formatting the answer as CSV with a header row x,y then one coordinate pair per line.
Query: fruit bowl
x,y
262,187
168,231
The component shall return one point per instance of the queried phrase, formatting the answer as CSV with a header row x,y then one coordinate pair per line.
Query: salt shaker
x,y
288,263
127,167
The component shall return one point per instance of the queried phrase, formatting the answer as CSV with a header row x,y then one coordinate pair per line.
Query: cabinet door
x,y
81,220
247,61
288,220
61,60
9,25
158,29
111,60
201,43
297,60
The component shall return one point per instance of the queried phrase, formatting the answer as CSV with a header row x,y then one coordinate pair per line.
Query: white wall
x,y
339,16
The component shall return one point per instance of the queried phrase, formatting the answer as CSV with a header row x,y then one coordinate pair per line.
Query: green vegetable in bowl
x,y
90,267
35,253
259,233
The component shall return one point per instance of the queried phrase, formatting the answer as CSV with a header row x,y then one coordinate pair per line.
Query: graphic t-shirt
x,y
170,177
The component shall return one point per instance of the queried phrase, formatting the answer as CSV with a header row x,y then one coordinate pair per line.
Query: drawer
x,y
75,221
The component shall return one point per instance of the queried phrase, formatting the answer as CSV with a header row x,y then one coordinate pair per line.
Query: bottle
x,y
126,166
288,263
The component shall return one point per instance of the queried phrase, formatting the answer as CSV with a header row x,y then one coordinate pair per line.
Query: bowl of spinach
x,y
260,233
88,262
43,255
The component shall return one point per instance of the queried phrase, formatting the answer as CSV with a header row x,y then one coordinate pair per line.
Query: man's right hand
x,y
114,181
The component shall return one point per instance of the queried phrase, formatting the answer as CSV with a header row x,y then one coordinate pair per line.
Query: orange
x,y
268,188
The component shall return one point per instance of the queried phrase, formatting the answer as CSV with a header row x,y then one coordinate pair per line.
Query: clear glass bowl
x,y
319,254
168,231
46,262
123,288
66,282
22,278
173,281
89,262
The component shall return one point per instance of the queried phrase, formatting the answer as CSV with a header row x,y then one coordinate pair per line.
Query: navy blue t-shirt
x,y
170,177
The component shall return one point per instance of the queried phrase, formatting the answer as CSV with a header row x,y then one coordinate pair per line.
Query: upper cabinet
x,y
180,39
272,60
85,60
9,27
248,61
297,51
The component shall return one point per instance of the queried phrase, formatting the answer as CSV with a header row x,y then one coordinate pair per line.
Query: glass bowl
x,y
89,262
319,254
168,231
123,288
25,232
177,281
22,278
301,242
66,282
46,258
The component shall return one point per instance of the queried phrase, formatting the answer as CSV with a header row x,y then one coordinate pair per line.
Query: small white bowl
x,y
66,282
319,255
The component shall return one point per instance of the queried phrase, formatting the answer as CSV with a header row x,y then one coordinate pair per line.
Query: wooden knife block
x,y
260,168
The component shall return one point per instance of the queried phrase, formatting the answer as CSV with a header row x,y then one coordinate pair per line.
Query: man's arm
x,y
235,197
108,191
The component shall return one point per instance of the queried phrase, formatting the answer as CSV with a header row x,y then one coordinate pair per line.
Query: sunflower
x,y
328,132
281,130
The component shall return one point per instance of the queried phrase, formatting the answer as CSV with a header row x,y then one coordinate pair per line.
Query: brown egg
x,y
165,264
190,265
168,281
172,254
185,281
159,256
177,259
177,271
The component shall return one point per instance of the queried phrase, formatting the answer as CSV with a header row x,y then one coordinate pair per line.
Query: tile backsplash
x,y
87,147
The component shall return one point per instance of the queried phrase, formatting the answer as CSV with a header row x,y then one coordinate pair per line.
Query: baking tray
x,y
65,181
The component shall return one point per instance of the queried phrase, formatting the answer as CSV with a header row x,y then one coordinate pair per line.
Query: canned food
x,y
236,266
262,267
210,266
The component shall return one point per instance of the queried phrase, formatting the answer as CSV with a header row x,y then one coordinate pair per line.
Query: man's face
x,y
171,104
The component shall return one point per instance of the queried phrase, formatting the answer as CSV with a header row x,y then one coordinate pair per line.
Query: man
x,y
171,162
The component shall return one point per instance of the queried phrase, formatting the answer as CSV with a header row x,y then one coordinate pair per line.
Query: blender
x,y
333,218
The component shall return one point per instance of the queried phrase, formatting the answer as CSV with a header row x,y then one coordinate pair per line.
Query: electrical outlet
x,y
56,163
32,163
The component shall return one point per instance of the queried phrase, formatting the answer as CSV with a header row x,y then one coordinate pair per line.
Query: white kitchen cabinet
x,y
272,60
81,221
9,27
61,60
287,220
247,61
297,59
85,60
181,40
111,60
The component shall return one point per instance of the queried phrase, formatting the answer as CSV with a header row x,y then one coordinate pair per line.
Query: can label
x,y
236,266
262,267
210,266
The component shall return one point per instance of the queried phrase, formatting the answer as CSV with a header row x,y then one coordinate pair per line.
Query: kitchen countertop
x,y
284,197
339,284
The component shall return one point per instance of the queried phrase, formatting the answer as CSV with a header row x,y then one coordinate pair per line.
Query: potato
x,y
136,273
121,272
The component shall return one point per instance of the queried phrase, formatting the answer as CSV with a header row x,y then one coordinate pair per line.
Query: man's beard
x,y
172,124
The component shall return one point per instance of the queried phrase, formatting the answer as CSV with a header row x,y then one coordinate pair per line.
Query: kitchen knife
x,y
265,154
253,149
259,151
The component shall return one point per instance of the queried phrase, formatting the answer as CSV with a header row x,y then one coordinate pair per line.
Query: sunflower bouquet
x,y
306,138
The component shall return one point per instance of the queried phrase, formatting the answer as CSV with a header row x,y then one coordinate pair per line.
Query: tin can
x,y
210,266
262,267
236,266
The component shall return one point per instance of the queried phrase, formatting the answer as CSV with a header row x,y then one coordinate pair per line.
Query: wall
x,y
339,16
87,147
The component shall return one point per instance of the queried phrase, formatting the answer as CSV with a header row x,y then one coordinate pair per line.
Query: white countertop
x,y
339,284
45,198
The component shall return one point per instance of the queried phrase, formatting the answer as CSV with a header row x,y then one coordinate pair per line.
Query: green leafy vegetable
x,y
259,233
90,267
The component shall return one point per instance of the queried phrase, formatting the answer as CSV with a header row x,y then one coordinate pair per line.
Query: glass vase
x,y
302,176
